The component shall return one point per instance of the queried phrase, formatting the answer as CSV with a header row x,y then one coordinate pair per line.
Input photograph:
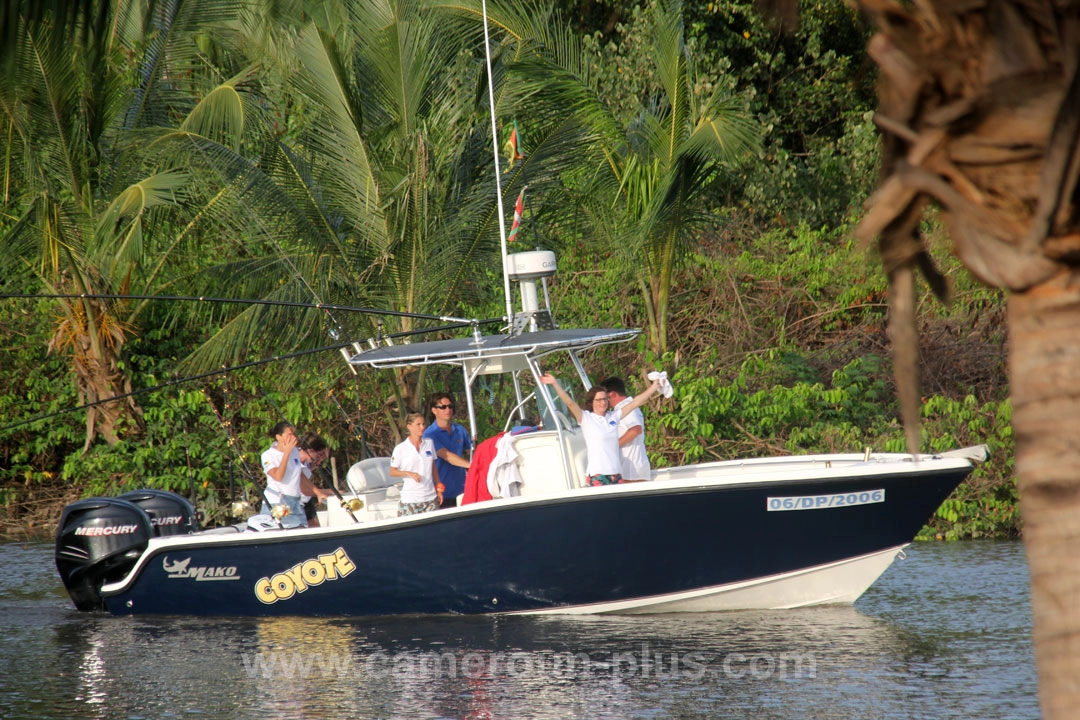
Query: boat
x,y
761,533
764,533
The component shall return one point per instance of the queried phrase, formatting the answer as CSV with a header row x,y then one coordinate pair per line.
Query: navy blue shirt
x,y
457,441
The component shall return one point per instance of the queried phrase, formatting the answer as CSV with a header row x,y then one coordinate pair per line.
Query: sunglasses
x,y
443,407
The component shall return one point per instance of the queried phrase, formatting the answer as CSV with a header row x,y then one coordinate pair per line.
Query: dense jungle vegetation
x,y
696,169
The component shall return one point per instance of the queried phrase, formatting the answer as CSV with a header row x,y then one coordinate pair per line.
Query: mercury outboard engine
x,y
98,542
170,514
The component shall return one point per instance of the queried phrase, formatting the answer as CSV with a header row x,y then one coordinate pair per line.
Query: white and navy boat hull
x,y
771,539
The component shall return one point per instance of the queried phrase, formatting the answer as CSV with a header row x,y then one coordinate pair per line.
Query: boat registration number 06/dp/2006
x,y
820,502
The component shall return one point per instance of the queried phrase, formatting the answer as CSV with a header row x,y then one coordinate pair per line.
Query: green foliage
x,y
715,420
797,78
813,89
33,382
346,167
988,503
821,187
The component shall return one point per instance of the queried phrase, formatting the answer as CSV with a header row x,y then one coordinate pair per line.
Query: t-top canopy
x,y
491,348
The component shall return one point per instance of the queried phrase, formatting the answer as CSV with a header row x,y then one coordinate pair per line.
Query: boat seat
x,y
370,475
370,481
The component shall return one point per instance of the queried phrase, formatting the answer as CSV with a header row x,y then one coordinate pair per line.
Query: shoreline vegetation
x,y
822,383
738,266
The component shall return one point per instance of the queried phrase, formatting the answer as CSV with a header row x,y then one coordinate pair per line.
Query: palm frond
x,y
221,115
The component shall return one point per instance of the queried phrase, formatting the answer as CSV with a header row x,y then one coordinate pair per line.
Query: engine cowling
x,y
98,542
170,514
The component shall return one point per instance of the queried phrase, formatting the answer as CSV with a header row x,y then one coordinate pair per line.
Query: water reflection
x,y
944,634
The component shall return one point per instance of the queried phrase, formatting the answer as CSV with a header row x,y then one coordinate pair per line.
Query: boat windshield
x,y
533,412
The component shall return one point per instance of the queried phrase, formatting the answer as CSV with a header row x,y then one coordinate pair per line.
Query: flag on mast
x,y
519,210
513,146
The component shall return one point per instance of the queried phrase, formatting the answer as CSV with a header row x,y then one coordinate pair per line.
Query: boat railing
x,y
807,463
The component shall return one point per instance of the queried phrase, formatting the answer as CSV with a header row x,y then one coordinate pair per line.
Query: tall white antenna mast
x,y
498,172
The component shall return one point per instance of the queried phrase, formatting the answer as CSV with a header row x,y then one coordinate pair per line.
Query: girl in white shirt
x,y
414,460
600,427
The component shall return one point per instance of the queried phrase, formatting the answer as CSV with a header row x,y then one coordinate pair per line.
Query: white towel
x,y
503,478
665,385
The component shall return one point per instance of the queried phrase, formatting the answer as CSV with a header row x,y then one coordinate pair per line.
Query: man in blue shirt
x,y
452,442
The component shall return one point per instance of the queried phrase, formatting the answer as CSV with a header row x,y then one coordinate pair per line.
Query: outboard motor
x,y
170,514
98,542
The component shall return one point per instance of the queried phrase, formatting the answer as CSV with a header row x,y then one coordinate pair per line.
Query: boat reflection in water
x,y
482,667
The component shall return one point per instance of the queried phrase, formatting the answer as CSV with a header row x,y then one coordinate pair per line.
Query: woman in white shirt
x,y
600,427
282,465
414,460
288,474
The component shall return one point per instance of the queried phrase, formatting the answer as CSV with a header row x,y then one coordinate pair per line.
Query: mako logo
x,y
180,570
303,575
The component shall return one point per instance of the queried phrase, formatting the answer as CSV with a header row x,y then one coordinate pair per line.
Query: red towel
x,y
476,488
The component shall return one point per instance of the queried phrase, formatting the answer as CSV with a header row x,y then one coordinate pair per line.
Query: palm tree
x,y
654,176
118,172
676,149
384,193
69,21
980,107
79,209
379,194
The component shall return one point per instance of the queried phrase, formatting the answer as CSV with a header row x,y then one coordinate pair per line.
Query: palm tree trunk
x,y
1044,359
980,104
650,312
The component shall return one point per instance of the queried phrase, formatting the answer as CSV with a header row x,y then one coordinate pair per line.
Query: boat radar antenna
x,y
495,152
526,268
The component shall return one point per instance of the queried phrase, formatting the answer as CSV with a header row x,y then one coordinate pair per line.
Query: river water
x,y
945,633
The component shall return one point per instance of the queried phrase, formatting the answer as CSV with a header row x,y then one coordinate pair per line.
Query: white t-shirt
x,y
601,434
406,457
635,461
290,481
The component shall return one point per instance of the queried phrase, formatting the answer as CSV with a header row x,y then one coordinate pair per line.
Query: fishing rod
x,y
232,442
498,171
254,363
335,333
364,449
242,301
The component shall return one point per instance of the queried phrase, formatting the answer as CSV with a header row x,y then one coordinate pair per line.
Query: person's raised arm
x,y
285,445
640,399
575,409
